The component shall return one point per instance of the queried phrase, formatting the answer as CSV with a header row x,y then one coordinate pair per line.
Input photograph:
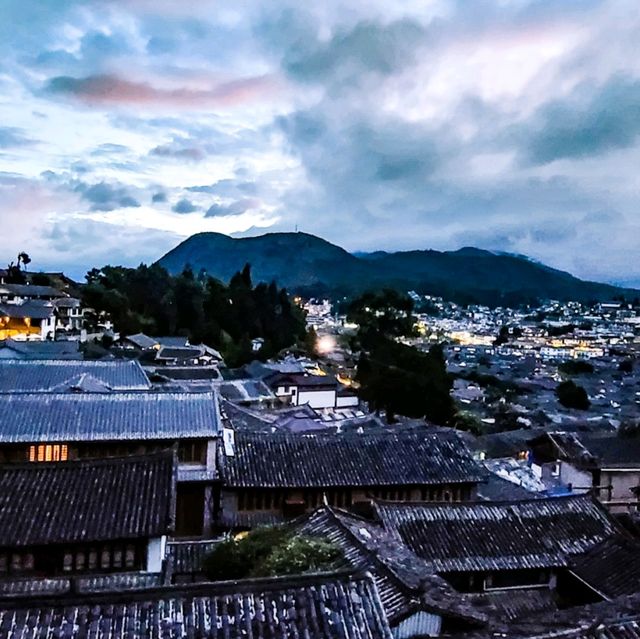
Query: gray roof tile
x,y
22,376
83,417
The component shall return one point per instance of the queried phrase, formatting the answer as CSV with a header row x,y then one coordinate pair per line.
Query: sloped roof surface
x,y
498,535
67,417
89,500
321,460
27,376
314,606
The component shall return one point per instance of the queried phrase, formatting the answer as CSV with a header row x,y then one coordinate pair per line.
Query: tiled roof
x,y
404,581
179,352
21,376
612,568
34,309
320,460
40,349
303,380
90,500
245,390
30,290
498,535
616,619
614,451
141,340
67,417
329,606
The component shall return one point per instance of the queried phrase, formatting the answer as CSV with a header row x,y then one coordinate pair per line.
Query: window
x,y
48,452
192,452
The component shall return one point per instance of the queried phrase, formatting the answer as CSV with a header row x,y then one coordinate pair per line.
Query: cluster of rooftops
x,y
111,492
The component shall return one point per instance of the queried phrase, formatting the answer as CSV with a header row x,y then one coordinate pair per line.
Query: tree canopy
x,y
570,395
393,376
148,299
270,551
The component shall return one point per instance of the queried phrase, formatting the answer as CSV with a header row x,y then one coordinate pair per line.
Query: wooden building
x,y
493,546
269,477
89,516
58,427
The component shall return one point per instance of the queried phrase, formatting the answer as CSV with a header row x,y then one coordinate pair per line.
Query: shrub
x,y
570,395
269,551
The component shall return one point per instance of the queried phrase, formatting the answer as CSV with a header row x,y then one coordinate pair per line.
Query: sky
x,y
128,125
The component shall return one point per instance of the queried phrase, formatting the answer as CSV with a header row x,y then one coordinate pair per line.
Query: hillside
x,y
308,264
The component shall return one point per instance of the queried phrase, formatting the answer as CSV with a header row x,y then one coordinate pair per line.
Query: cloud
x,y
184,206
233,208
13,137
179,151
159,197
106,197
587,123
368,47
113,90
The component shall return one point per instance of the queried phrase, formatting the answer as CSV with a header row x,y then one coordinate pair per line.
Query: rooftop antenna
x,y
296,228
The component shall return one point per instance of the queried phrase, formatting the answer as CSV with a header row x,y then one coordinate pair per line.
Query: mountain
x,y
310,265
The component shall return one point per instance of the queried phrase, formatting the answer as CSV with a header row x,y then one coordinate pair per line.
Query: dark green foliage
x,y
270,551
387,312
147,299
576,367
570,395
506,333
502,387
403,381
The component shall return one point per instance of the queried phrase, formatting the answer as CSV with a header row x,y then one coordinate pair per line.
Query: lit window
x,y
67,562
48,453
80,560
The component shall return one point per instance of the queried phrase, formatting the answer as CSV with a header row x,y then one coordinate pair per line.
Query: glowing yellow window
x,y
48,452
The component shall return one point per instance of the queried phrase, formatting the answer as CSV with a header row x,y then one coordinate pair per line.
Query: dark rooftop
x,y
612,568
498,535
26,376
39,349
89,500
405,582
321,606
33,309
66,417
321,460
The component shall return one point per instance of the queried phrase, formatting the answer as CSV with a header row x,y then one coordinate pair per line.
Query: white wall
x,y
155,553
317,399
342,402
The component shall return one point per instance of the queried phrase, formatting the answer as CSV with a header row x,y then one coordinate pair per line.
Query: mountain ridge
x,y
310,265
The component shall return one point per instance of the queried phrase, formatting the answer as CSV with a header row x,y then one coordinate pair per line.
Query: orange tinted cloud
x,y
107,90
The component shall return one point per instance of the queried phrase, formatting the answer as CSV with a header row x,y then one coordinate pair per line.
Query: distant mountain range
x,y
309,265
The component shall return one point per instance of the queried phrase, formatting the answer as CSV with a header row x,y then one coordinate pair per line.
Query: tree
x,y
401,380
570,395
576,367
270,551
386,313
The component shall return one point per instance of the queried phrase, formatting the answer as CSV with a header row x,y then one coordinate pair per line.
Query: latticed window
x,y
48,452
